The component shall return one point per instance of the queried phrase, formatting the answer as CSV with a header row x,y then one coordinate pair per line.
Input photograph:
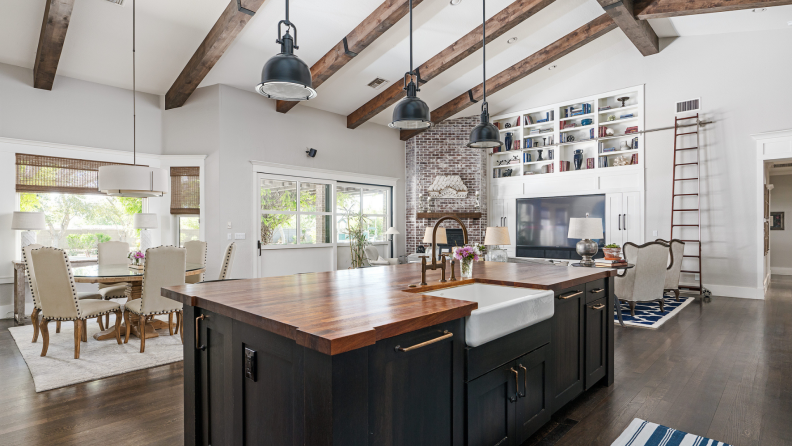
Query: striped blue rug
x,y
648,315
644,433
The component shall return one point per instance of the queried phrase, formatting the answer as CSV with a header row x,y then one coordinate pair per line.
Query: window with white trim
x,y
295,211
372,201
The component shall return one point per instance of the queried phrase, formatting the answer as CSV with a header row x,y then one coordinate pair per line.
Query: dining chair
x,y
113,253
228,262
644,282
59,299
196,253
164,267
674,271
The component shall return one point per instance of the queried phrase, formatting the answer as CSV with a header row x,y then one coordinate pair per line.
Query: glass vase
x,y
466,268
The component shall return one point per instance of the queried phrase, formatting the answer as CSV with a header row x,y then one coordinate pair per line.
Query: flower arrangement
x,y
466,256
137,257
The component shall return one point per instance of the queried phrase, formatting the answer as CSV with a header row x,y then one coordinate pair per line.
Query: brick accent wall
x,y
442,151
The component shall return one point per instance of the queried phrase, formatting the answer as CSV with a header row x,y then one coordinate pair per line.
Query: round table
x,y
124,273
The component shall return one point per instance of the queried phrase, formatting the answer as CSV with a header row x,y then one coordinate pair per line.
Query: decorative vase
x,y
540,156
466,268
578,159
508,141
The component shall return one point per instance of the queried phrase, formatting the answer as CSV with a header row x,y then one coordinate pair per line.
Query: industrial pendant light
x,y
285,76
411,112
124,180
484,135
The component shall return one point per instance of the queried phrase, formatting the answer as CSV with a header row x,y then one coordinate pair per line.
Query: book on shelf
x,y
589,163
626,116
563,166
607,107
562,124
528,143
518,122
634,159
497,125
535,131
603,162
608,149
591,133
631,130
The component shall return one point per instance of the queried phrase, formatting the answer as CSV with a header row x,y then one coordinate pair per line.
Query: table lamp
x,y
441,237
587,230
144,222
495,237
391,232
28,222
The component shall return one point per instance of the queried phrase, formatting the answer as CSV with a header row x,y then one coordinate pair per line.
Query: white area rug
x,y
98,359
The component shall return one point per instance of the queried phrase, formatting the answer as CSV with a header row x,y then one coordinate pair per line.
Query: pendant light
x,y
411,113
124,180
285,76
484,135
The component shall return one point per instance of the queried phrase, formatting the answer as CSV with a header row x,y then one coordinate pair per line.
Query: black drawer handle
x,y
597,307
198,346
446,334
570,295
597,290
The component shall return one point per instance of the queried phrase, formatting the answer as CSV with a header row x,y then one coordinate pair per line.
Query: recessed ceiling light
x,y
512,40
760,10
551,67
455,2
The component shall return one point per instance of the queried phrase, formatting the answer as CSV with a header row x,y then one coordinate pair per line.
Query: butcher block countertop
x,y
340,311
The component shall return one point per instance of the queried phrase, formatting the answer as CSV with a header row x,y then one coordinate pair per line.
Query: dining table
x,y
133,277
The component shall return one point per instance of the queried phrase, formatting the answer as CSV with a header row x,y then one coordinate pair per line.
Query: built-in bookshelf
x,y
604,130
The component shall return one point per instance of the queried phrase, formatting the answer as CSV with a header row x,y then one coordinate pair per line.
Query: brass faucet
x,y
442,264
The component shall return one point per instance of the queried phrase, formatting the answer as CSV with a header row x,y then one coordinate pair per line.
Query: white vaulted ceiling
x,y
98,43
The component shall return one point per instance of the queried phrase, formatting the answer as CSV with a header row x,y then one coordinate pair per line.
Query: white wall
x,y
781,241
743,82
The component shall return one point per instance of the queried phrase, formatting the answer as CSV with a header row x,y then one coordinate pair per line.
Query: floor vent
x,y
688,106
116,2
377,83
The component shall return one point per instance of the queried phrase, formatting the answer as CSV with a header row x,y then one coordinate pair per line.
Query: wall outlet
x,y
230,236
239,236
654,233
229,225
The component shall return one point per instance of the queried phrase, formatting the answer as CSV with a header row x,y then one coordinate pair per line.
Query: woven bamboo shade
x,y
35,173
185,190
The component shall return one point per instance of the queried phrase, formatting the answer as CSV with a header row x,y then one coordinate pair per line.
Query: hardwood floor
x,y
722,369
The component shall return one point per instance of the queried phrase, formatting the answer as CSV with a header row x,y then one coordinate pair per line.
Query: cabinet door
x,y
416,397
631,218
497,213
510,214
567,345
214,389
491,406
613,223
533,399
596,341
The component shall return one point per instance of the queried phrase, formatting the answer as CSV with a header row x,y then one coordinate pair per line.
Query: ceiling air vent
x,y
116,2
377,83
775,166
688,106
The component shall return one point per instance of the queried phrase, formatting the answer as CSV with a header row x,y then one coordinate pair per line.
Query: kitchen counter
x,y
340,311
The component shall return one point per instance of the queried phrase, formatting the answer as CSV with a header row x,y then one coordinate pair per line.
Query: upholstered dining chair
x,y
228,262
196,253
113,253
644,282
59,300
674,271
164,266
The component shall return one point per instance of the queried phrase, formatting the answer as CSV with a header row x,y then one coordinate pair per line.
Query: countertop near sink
x,y
339,311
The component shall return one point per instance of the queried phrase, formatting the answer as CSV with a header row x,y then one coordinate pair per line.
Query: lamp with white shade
x,y
495,237
441,238
587,230
28,222
144,222
391,232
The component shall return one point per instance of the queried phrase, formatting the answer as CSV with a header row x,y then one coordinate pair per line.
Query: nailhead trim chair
x,y
59,299
228,261
113,253
164,267
674,266
196,253
644,283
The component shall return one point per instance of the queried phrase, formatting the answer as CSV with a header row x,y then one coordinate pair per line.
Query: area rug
x,y
98,359
644,433
648,314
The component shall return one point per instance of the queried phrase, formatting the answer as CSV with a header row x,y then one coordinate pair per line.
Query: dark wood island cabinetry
x,y
359,358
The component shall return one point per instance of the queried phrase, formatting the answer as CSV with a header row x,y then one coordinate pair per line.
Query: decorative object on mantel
x,y
466,256
27,222
144,222
495,237
137,259
422,204
777,221
448,186
587,230
477,202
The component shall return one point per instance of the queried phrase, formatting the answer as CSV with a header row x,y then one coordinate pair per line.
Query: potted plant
x,y
612,252
466,256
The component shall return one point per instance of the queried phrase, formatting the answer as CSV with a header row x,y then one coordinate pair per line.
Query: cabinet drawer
x,y
595,290
480,360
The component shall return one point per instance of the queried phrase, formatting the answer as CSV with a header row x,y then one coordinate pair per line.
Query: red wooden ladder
x,y
696,240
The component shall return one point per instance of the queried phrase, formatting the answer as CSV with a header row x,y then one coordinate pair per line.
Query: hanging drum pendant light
x,y
285,76
484,135
411,112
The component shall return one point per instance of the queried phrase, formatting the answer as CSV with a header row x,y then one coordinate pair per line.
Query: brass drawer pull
x,y
446,334
598,307
525,382
570,295
513,399
198,346
597,290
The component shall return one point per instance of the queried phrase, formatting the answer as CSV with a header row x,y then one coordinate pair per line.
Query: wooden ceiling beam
x,y
497,25
219,39
369,30
547,55
655,9
638,31
57,14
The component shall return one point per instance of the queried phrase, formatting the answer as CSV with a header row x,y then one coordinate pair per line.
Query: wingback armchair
x,y
677,254
645,282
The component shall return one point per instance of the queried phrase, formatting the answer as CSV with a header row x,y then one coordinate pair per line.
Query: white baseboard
x,y
781,271
7,311
736,291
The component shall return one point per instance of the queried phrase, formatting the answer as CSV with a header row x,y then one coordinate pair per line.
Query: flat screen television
x,y
544,222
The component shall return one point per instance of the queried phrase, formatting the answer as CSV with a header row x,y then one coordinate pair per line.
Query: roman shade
x,y
36,173
185,190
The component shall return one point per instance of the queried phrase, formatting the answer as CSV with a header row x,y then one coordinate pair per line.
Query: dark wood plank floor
x,y
722,369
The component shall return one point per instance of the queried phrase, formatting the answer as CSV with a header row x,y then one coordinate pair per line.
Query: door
x,y
533,400
613,224
214,399
567,342
491,407
510,218
631,218
596,341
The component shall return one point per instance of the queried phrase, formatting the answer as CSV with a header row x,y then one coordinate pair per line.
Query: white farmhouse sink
x,y
501,309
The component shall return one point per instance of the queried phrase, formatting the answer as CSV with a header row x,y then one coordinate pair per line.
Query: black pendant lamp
x,y
285,76
411,112
485,135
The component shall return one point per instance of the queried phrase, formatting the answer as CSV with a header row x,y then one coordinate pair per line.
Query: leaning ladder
x,y
679,124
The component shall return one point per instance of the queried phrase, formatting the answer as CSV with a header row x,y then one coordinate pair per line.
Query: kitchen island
x,y
361,357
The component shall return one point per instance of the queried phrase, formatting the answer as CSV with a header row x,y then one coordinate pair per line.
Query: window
x,y
188,227
295,212
371,202
79,222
